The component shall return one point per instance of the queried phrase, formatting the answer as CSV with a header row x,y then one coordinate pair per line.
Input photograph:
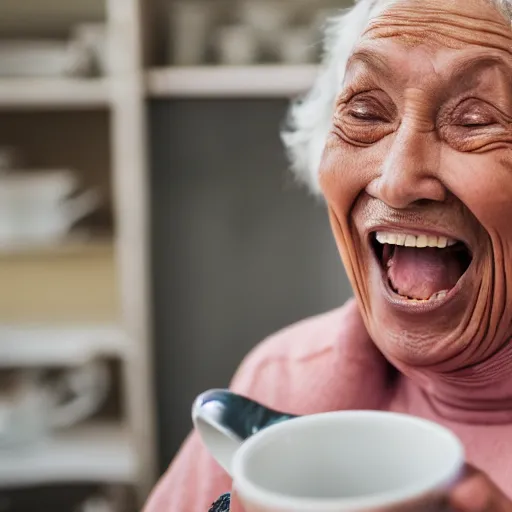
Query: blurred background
x,y
150,232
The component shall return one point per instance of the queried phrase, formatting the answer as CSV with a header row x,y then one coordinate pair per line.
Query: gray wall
x,y
239,250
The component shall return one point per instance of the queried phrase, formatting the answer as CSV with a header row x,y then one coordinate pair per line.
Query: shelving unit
x,y
65,304
233,82
87,297
99,453
54,93
25,346
70,283
71,245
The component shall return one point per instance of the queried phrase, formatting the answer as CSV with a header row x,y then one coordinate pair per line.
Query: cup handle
x,y
90,386
79,206
225,420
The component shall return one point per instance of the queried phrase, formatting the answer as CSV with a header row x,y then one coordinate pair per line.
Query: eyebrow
x,y
469,67
372,59
463,67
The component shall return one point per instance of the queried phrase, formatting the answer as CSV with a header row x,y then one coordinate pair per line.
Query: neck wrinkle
x,y
481,393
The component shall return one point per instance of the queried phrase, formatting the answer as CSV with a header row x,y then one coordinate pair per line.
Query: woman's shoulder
x,y
318,364
308,338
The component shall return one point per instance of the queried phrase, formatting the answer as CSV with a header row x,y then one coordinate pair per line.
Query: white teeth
x,y
437,296
432,241
392,238
382,238
400,239
410,241
420,241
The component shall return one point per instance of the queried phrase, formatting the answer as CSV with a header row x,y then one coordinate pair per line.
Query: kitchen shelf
x,y
54,93
91,453
74,283
62,303
229,81
75,244
43,346
47,17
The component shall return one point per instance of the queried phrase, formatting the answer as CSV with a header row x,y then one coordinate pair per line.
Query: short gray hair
x,y
309,118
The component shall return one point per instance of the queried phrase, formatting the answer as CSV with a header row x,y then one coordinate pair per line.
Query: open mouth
x,y
421,267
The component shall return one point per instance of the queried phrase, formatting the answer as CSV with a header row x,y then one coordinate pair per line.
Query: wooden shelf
x,y
63,303
46,17
44,346
90,453
223,81
72,245
54,93
69,283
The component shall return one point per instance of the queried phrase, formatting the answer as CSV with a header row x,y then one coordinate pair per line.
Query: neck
x,y
480,393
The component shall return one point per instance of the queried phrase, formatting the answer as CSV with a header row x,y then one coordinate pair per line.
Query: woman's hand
x,y
477,493
235,504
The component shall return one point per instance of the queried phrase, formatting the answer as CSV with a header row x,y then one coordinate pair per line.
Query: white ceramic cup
x,y
35,207
190,25
296,46
31,410
343,461
236,45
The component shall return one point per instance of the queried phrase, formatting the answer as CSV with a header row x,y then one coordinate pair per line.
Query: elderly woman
x,y
408,136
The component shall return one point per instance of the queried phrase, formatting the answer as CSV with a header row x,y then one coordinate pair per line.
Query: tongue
x,y
420,273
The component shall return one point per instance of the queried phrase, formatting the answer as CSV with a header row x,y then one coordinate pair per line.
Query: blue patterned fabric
x,y
221,505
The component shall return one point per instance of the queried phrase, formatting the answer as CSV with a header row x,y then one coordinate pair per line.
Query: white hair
x,y
309,118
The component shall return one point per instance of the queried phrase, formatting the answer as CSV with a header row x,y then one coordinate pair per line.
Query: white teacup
x,y
337,462
31,408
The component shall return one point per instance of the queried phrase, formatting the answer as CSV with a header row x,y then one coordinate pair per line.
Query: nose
x,y
409,173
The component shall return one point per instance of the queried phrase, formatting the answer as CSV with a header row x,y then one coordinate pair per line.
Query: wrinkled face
x,y
417,175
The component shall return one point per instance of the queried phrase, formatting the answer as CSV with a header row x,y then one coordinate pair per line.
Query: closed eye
x,y
476,121
365,107
363,115
474,114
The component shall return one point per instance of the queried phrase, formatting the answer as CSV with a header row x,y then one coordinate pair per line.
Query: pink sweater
x,y
324,364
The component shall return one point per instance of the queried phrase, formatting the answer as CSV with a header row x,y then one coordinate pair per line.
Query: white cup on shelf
x,y
267,19
32,408
236,45
94,39
10,158
189,31
35,206
265,15
296,46
33,58
97,504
